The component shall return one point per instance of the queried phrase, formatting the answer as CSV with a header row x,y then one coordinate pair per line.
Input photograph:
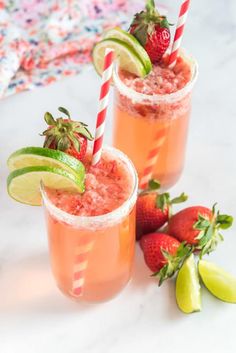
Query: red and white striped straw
x,y
103,104
183,13
80,266
83,250
152,158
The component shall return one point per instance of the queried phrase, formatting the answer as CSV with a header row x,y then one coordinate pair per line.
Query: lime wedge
x,y
118,33
39,156
23,184
128,59
219,282
188,294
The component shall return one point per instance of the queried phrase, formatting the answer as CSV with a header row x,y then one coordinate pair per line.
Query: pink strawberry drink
x,y
158,105
92,235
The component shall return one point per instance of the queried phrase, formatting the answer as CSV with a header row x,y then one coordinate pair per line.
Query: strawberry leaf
x,y
141,32
206,236
202,223
75,142
48,141
63,143
49,119
163,200
209,235
154,184
174,262
224,221
82,130
65,111
182,198
164,23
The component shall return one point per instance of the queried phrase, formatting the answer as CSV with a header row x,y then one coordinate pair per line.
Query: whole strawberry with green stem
x,y
152,31
199,226
66,135
163,254
153,209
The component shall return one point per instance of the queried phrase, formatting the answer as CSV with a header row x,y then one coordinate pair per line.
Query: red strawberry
x,y
153,209
152,31
66,135
163,254
199,226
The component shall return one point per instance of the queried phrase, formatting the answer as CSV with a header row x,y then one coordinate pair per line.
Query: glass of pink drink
x,y
157,106
92,235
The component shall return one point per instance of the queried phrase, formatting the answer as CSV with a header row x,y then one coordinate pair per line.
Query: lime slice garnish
x,y
24,184
39,156
127,57
188,294
118,33
219,282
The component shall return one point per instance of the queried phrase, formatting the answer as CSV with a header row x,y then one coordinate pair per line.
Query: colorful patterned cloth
x,y
42,41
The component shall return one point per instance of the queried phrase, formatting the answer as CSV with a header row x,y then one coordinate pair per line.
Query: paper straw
x,y
152,158
103,104
83,250
80,266
183,13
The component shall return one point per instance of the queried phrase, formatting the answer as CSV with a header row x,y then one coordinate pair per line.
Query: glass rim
x,y
101,221
155,98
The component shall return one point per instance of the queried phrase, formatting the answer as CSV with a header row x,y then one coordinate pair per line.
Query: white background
x,y
34,315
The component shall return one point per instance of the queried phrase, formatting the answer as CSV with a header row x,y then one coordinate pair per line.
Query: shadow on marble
x,y
141,275
28,285
173,312
142,281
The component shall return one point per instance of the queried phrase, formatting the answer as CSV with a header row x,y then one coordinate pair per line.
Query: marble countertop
x,y
34,316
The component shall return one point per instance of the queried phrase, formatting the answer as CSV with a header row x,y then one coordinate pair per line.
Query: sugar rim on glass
x,y
105,220
156,98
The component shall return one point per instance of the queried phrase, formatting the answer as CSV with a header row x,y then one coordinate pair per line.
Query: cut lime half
x,y
128,59
118,33
23,184
188,295
219,282
39,156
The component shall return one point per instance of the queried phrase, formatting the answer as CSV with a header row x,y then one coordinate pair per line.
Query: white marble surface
x,y
34,316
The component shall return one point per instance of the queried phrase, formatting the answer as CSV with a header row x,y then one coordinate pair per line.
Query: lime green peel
x,y
219,282
129,39
127,57
23,184
188,293
40,156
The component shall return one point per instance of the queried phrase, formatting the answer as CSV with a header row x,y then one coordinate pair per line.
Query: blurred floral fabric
x,y
42,41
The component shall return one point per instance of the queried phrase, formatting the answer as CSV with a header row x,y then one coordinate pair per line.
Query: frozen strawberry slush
x,y
107,185
161,80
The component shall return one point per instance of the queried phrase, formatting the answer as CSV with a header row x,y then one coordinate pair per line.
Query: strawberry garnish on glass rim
x,y
152,31
66,135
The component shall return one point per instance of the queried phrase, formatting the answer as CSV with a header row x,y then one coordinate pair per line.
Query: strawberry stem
x,y
209,235
150,7
174,262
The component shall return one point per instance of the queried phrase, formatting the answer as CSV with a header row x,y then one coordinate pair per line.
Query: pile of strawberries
x,y
166,239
